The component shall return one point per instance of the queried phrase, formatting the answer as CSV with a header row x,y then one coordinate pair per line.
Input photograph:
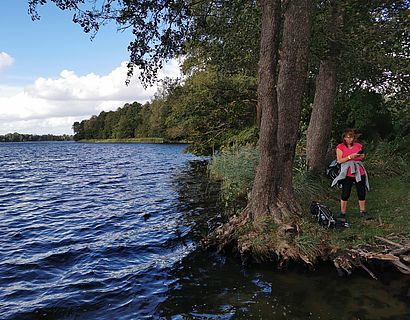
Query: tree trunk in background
x,y
320,124
272,192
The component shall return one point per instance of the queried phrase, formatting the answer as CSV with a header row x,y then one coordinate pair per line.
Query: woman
x,y
350,155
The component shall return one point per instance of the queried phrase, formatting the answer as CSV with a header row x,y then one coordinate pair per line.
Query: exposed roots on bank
x,y
267,241
395,251
262,240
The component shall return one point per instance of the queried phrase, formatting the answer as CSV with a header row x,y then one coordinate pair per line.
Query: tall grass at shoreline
x,y
388,202
236,170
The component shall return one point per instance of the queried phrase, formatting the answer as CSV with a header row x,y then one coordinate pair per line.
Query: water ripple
x,y
88,227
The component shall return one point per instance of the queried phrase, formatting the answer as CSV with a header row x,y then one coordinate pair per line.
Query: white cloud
x,y
5,60
52,105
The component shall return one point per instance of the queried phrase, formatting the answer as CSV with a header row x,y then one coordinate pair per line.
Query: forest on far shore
x,y
25,137
216,112
357,77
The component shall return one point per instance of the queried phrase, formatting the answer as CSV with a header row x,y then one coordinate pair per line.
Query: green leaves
x,y
212,108
160,27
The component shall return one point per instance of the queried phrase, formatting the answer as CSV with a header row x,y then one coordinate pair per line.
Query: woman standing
x,y
349,155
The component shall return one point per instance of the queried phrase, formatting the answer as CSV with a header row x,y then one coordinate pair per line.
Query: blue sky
x,y
52,73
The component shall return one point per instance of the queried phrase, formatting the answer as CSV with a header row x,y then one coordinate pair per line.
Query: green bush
x,y
389,157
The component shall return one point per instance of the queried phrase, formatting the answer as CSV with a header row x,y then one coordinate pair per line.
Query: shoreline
x,y
134,140
383,239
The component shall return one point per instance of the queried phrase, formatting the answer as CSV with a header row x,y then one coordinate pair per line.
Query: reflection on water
x,y
214,287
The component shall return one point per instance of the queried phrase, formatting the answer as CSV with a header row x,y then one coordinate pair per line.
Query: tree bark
x,y
320,123
264,188
272,192
291,87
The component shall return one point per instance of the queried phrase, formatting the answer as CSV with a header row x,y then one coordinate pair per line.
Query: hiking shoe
x,y
365,215
341,221
341,217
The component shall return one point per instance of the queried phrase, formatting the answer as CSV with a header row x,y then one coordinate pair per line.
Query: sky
x,y
52,74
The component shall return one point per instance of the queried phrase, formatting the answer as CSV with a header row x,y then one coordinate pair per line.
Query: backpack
x,y
322,214
333,169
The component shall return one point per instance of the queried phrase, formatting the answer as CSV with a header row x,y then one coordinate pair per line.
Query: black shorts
x,y
347,184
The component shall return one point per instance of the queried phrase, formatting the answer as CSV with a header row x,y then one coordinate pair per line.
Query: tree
x,y
128,121
226,37
227,40
364,43
365,111
211,109
272,192
320,124
162,27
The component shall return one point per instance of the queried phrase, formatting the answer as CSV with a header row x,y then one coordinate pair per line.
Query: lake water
x,y
111,231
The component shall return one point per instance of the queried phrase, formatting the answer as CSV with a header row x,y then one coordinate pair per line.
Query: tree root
x,y
385,250
223,236
262,240
250,240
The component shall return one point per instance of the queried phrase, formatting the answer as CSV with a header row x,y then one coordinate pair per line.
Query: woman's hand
x,y
357,155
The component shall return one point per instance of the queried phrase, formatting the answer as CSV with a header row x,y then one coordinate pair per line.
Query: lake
x,y
111,231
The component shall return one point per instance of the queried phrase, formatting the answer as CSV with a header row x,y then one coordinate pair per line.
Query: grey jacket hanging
x,y
354,169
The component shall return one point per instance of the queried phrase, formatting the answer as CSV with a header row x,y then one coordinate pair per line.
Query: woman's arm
x,y
340,159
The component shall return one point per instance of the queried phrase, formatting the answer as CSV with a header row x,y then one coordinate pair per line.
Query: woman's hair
x,y
349,132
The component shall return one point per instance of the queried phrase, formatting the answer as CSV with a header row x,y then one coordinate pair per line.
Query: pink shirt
x,y
347,152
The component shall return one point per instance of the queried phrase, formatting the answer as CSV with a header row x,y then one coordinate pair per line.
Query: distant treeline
x,y
20,137
130,121
207,110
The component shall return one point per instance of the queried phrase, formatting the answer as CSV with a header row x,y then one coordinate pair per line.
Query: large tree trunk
x,y
264,188
272,192
320,124
291,87
272,198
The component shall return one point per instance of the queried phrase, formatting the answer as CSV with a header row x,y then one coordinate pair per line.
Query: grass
x,y
235,169
388,202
